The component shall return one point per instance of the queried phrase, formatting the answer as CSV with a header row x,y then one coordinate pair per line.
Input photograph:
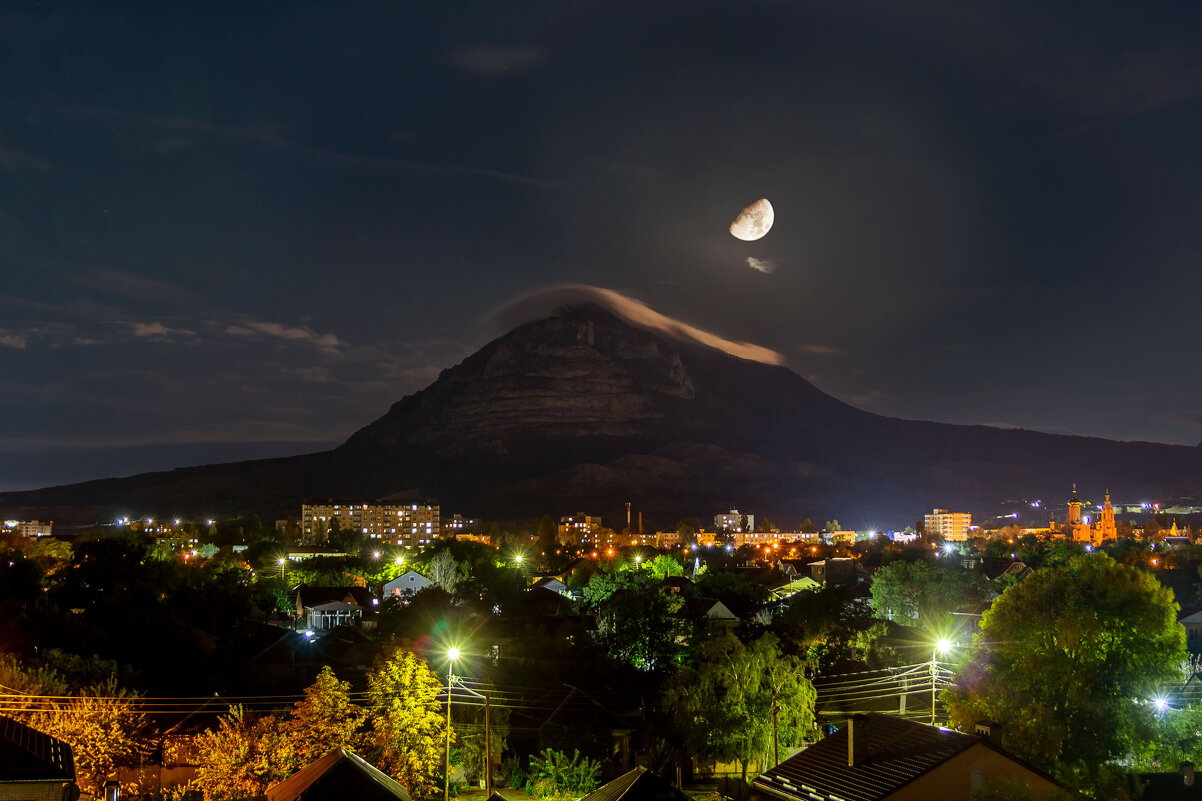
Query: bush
x,y
554,775
514,773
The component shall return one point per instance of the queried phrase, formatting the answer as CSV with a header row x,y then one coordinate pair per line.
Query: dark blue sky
x,y
245,229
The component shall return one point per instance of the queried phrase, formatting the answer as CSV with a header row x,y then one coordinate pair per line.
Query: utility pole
x,y
446,766
487,750
775,748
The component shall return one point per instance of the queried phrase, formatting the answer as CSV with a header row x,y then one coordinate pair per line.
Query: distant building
x,y
952,526
457,526
733,522
34,528
753,538
408,583
410,525
1080,528
579,528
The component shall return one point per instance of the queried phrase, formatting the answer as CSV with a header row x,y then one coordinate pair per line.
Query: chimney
x,y
1187,773
857,740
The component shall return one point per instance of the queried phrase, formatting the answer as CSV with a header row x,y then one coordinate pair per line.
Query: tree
x,y
833,525
921,592
241,757
722,705
444,571
104,726
663,566
637,624
546,533
324,720
807,527
687,528
1068,660
408,731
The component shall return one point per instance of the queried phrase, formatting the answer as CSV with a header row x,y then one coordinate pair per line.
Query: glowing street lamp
x,y
282,562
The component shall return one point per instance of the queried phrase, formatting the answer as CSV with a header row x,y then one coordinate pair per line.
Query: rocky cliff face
x,y
581,373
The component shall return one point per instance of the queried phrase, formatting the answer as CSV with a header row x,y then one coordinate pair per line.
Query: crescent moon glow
x,y
753,222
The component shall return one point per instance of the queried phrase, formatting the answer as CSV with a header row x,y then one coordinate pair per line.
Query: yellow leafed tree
x,y
408,730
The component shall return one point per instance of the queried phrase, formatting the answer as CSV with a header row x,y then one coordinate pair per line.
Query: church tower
x,y
1105,528
1074,509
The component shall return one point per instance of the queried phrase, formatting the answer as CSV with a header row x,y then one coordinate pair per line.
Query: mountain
x,y
583,411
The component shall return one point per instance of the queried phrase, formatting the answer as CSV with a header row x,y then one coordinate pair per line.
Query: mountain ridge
x,y
582,410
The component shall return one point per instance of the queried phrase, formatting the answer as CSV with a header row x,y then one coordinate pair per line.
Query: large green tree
x,y
1068,662
722,703
921,593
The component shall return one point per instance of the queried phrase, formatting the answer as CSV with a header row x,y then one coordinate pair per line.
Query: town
x,y
230,659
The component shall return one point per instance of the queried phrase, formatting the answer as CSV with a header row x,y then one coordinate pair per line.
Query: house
x,y
34,766
639,784
338,775
552,583
883,758
409,583
305,596
839,570
710,611
331,615
1191,618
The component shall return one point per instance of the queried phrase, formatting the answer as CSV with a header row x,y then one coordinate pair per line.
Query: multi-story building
x,y
733,522
410,525
580,528
952,526
34,528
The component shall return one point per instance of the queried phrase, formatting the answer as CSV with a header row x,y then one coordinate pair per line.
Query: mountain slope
x,y
583,411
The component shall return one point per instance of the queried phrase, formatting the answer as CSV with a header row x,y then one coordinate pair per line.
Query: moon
x,y
753,222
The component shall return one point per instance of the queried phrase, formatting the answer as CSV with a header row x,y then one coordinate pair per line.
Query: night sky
x,y
245,229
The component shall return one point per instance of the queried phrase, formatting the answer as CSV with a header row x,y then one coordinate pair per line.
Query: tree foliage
x,y
722,704
1068,660
104,726
407,731
921,592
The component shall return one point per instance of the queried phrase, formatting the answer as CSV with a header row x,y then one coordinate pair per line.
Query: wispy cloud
x,y
497,60
765,266
820,350
157,330
294,333
635,312
12,340
270,138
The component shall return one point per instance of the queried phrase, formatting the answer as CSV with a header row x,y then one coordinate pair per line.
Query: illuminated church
x,y
1079,529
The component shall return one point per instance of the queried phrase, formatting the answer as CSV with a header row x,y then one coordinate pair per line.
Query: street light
x,y
942,646
282,561
452,655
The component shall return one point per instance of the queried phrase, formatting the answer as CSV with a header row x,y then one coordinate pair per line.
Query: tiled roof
x,y
337,776
27,755
639,784
898,752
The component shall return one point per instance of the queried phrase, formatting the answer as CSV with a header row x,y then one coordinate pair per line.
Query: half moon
x,y
753,222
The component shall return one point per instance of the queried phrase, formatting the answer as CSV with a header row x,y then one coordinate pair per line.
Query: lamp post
x,y
452,654
282,561
942,646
